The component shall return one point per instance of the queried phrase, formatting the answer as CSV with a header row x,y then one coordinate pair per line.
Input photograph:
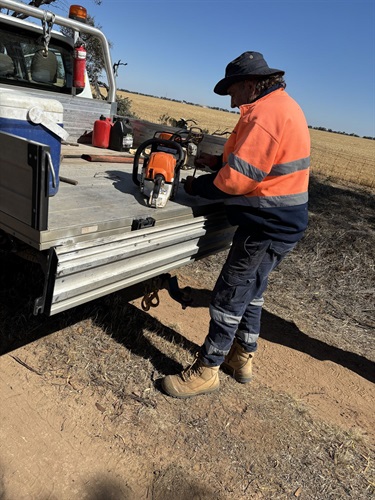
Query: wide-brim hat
x,y
247,65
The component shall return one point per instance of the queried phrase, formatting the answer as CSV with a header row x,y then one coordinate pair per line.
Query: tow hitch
x,y
166,282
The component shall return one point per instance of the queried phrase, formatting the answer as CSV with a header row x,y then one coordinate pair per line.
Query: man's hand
x,y
206,161
188,185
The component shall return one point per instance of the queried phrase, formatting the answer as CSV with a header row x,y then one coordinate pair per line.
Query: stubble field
x,y
337,156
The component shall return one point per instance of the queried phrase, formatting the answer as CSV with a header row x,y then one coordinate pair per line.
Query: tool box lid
x,y
15,104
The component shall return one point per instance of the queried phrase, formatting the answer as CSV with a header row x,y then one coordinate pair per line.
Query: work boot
x,y
238,363
196,379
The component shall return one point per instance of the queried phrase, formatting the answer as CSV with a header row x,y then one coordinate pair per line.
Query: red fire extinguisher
x,y
79,66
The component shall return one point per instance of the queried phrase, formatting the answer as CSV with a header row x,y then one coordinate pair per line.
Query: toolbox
x,y
36,119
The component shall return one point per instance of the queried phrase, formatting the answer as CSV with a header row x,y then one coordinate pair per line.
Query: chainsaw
x,y
189,139
160,174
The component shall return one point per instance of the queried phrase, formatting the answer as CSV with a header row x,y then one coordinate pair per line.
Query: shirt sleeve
x,y
250,161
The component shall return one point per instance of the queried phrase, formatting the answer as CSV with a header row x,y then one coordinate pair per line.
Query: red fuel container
x,y
101,132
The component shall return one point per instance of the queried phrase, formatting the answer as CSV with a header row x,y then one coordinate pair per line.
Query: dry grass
x,y
343,158
336,156
332,274
153,108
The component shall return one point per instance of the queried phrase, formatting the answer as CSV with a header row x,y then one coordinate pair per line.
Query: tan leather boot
x,y
238,363
196,379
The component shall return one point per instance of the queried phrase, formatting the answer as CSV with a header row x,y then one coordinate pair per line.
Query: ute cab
x,y
37,59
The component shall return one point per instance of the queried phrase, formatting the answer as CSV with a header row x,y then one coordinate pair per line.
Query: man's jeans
x,y
237,299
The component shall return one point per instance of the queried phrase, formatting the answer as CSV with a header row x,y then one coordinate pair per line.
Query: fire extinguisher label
x,y
80,54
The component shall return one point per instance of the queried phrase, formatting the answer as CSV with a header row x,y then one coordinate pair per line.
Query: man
x,y
263,179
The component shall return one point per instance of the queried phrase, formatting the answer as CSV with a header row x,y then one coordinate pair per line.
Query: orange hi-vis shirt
x,y
266,159
265,172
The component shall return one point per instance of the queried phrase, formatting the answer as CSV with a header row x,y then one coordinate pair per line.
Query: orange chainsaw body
x,y
161,163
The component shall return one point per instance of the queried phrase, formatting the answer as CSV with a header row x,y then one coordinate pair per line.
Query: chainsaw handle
x,y
154,142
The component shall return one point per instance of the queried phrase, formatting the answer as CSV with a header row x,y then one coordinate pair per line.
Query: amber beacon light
x,y
78,13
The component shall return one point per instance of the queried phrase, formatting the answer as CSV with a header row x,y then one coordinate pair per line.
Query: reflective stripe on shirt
x,y
268,201
258,175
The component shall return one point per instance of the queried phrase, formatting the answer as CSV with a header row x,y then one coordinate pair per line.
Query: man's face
x,y
242,93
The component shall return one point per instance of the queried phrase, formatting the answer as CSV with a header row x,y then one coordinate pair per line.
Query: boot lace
x,y
191,371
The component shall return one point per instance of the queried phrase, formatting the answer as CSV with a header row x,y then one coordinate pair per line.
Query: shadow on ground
x,y
274,329
127,328
279,331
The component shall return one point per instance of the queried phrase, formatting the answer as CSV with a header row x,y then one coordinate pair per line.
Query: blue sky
x,y
179,49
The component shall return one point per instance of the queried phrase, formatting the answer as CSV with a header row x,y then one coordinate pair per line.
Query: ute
x,y
78,214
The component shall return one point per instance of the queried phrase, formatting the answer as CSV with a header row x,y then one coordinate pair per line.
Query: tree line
x,y
342,133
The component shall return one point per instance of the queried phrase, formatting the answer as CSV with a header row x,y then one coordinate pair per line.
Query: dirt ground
x,y
83,416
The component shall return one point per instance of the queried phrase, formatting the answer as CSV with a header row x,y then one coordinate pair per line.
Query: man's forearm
x,y
204,186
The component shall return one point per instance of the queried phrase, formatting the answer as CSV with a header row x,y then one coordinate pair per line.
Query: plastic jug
x,y
101,132
121,137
